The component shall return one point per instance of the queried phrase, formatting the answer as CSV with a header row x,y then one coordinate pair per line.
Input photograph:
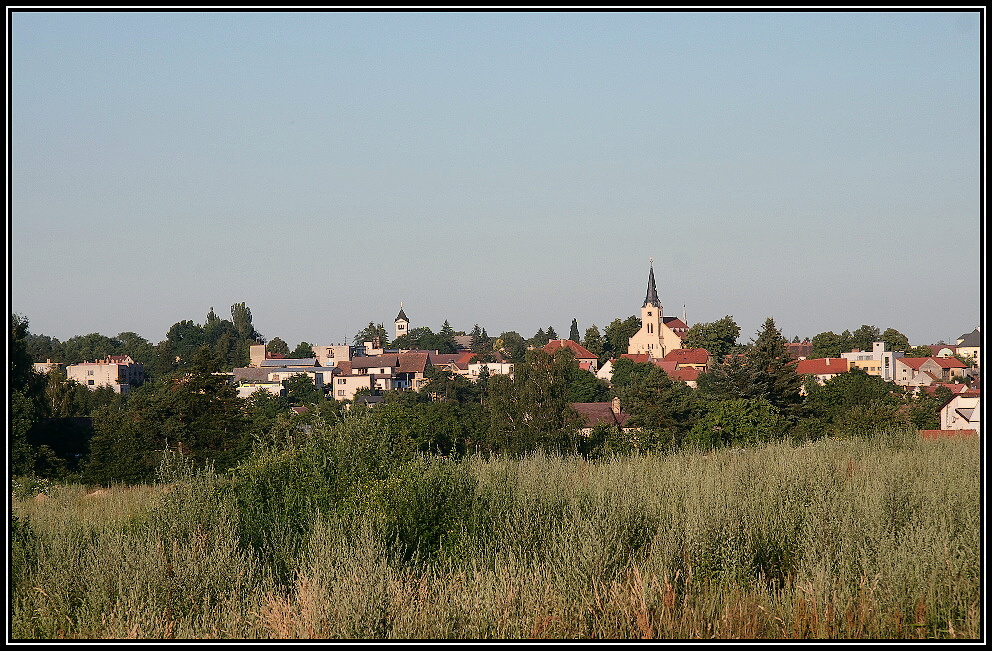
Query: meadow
x,y
341,535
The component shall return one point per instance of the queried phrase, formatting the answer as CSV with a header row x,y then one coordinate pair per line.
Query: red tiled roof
x,y
600,413
944,433
913,362
667,367
954,388
688,356
687,374
640,358
948,362
412,362
822,366
580,353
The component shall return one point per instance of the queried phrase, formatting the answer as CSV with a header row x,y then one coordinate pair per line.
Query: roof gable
x,y
580,352
822,366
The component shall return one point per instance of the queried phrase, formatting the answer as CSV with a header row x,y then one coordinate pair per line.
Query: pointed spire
x,y
652,295
402,315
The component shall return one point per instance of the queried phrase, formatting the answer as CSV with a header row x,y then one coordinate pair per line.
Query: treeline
x,y
752,396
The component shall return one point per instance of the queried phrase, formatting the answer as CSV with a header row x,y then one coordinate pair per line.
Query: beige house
x,y
658,334
878,361
970,346
823,369
964,411
119,372
924,371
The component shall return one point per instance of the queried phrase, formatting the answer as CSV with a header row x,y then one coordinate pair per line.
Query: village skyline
x,y
512,170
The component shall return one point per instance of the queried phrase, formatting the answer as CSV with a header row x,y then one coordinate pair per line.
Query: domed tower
x,y
402,324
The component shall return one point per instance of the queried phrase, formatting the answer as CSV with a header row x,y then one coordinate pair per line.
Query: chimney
x,y
828,360
616,405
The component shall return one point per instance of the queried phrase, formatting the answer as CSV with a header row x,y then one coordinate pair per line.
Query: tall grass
x,y
840,539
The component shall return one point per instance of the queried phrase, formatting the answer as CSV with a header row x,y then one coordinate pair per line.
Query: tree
x,y
530,410
829,344
241,317
654,400
842,393
863,338
894,340
540,339
373,333
740,421
593,341
277,346
581,385
552,335
512,345
772,362
301,390
303,350
618,335
573,332
27,396
184,339
719,337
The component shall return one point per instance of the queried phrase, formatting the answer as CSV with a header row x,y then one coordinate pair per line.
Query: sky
x,y
512,170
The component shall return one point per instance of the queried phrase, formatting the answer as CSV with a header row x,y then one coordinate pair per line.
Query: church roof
x,y
402,315
652,296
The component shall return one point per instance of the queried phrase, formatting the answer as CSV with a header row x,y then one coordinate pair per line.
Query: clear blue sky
x,y
515,170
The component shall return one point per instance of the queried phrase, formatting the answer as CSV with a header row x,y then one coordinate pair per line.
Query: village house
x,y
970,347
587,361
963,412
822,369
119,372
46,366
800,350
924,371
601,413
878,362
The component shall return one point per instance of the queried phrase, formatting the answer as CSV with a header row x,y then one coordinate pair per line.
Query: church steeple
x,y
652,295
402,323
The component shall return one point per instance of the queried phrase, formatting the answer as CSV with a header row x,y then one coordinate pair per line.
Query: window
x,y
89,373
340,392
90,382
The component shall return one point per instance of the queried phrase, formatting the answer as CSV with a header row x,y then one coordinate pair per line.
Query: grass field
x,y
839,539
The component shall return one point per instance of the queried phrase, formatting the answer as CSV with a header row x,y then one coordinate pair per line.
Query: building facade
x,y
659,334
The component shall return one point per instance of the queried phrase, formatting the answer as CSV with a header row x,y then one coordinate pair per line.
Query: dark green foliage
x,y
303,350
301,390
198,411
373,332
531,411
593,341
277,346
618,334
424,338
738,422
856,388
573,331
719,338
512,345
654,401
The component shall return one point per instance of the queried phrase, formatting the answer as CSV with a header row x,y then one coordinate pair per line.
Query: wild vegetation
x,y
349,531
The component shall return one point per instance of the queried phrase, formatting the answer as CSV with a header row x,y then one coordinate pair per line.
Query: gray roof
x,y
972,339
306,361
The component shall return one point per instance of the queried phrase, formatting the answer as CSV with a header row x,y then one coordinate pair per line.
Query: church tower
x,y
402,324
655,337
